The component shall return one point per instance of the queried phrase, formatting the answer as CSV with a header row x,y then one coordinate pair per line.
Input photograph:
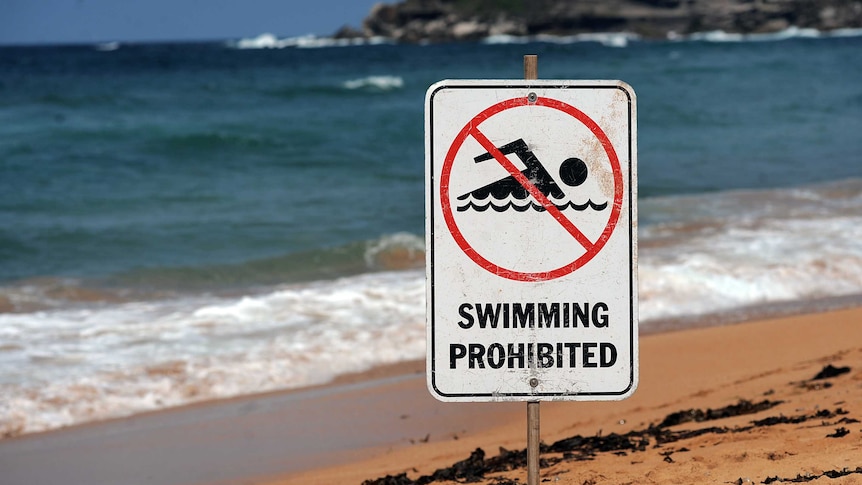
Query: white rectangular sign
x,y
531,235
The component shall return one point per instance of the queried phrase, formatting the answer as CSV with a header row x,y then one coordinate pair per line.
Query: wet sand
x,y
688,422
246,439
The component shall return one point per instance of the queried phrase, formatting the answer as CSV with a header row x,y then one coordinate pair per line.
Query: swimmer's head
x,y
573,172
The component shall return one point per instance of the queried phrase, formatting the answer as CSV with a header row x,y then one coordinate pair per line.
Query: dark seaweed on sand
x,y
698,415
829,372
811,477
579,448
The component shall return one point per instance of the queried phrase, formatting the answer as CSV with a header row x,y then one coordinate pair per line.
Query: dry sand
x,y
731,404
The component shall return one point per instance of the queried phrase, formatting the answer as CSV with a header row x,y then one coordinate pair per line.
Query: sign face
x,y
531,240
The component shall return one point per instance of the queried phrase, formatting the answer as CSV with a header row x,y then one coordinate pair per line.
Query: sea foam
x,y
271,41
105,356
788,33
382,83
609,39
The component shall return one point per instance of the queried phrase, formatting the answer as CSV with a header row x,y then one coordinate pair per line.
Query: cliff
x,y
454,20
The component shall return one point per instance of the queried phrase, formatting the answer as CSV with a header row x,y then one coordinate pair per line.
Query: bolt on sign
x,y
531,234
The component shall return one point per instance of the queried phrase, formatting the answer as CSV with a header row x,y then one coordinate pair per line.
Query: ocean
x,y
184,222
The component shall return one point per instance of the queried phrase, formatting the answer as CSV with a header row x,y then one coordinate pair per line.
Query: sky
x,y
91,21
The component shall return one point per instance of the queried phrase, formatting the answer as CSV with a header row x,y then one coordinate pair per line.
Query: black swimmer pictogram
x,y
573,172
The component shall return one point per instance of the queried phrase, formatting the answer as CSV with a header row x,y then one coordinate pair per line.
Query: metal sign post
x,y
533,443
531,242
531,71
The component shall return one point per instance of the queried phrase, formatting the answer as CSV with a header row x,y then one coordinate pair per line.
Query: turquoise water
x,y
184,222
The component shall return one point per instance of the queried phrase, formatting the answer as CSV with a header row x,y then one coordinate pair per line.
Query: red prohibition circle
x,y
592,248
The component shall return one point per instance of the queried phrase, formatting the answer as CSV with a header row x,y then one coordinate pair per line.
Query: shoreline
x,y
735,316
199,346
384,421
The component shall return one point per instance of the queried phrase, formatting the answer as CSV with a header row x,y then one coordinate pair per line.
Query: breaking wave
x,y
622,39
381,83
271,41
788,33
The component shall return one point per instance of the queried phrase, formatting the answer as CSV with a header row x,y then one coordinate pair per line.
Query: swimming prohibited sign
x,y
531,240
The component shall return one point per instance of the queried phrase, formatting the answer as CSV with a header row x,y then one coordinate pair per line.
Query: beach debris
x,y
811,477
420,440
583,448
470,470
830,371
839,433
699,415
400,479
821,414
820,381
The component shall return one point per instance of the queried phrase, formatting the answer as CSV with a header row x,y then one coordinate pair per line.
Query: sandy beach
x,y
738,403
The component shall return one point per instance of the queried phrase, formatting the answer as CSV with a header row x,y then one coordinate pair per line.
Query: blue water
x,y
165,156
192,221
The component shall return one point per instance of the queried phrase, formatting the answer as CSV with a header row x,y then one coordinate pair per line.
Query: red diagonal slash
x,y
531,188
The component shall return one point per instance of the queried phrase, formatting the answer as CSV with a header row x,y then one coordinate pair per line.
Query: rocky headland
x,y
467,20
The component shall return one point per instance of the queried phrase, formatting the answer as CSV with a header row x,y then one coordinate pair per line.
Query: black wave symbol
x,y
535,206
